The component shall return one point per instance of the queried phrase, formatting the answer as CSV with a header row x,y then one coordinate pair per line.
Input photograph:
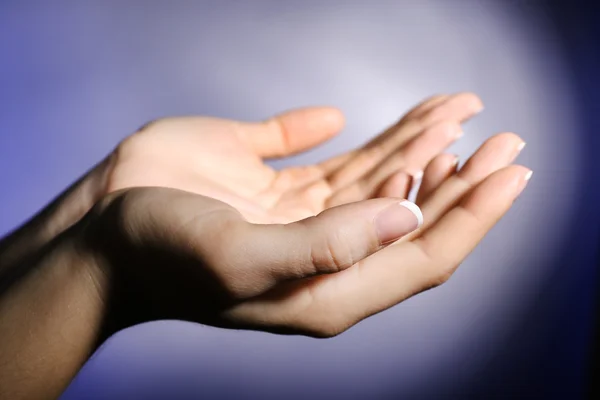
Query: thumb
x,y
330,242
293,131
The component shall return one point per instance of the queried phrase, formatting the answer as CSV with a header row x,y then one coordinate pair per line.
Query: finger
x,y
330,165
411,159
264,255
459,107
446,243
437,171
398,185
493,155
425,106
456,109
398,272
292,132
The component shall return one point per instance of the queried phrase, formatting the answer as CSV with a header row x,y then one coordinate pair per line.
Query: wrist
x,y
56,217
104,247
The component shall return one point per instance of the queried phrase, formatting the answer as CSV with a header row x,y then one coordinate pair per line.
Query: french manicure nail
x,y
417,176
398,220
455,162
457,131
521,146
524,180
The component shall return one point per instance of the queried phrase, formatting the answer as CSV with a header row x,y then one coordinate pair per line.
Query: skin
x,y
184,220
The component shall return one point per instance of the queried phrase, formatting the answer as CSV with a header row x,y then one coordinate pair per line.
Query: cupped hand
x,y
169,254
224,159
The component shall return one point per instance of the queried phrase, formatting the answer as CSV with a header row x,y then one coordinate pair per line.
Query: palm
x,y
198,155
223,159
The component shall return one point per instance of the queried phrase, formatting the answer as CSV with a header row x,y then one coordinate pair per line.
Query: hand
x,y
170,254
223,159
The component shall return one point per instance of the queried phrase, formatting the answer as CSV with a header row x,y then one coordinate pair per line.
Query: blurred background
x,y
516,320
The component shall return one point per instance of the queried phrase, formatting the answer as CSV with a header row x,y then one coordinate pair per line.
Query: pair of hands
x,y
194,225
184,220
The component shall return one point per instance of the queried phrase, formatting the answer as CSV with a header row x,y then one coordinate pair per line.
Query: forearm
x,y
51,295
51,315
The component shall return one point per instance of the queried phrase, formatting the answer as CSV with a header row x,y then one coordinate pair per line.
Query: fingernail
x,y
417,176
521,146
456,131
524,181
398,220
455,162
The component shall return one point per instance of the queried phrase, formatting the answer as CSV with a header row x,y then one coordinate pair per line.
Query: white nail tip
x,y
521,146
528,175
412,207
417,176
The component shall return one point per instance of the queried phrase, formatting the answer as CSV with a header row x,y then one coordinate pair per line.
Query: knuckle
x,y
434,116
328,332
441,128
439,278
331,254
416,124
441,275
440,266
390,166
317,318
324,328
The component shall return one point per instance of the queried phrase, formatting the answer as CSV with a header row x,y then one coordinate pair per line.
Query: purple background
x,y
76,77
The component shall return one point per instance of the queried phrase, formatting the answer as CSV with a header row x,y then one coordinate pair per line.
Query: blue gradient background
x,y
516,319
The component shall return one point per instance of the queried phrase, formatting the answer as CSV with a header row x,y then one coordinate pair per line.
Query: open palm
x,y
223,159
